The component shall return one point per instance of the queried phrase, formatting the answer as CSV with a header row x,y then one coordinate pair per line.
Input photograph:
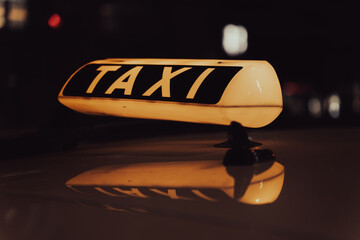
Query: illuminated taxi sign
x,y
201,91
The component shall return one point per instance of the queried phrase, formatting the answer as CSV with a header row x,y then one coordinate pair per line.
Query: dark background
x,y
313,46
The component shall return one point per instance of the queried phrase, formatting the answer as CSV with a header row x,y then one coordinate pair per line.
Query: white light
x,y
314,106
334,106
235,39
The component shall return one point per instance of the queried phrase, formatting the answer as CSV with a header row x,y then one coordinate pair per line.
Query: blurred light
x,y
290,88
235,39
314,106
334,106
17,15
296,88
2,15
54,21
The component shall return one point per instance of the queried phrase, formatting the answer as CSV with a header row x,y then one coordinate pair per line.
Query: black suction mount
x,y
242,150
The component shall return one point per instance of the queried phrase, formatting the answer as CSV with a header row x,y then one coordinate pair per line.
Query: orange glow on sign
x,y
200,91
54,21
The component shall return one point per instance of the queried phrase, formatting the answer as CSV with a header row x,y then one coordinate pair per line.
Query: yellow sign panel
x,y
201,91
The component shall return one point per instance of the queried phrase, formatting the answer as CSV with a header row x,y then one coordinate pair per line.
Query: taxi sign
x,y
201,91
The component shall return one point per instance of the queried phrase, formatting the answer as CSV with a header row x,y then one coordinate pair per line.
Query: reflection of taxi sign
x,y
202,91
188,180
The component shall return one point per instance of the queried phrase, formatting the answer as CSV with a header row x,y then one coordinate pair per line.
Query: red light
x,y
291,88
54,21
